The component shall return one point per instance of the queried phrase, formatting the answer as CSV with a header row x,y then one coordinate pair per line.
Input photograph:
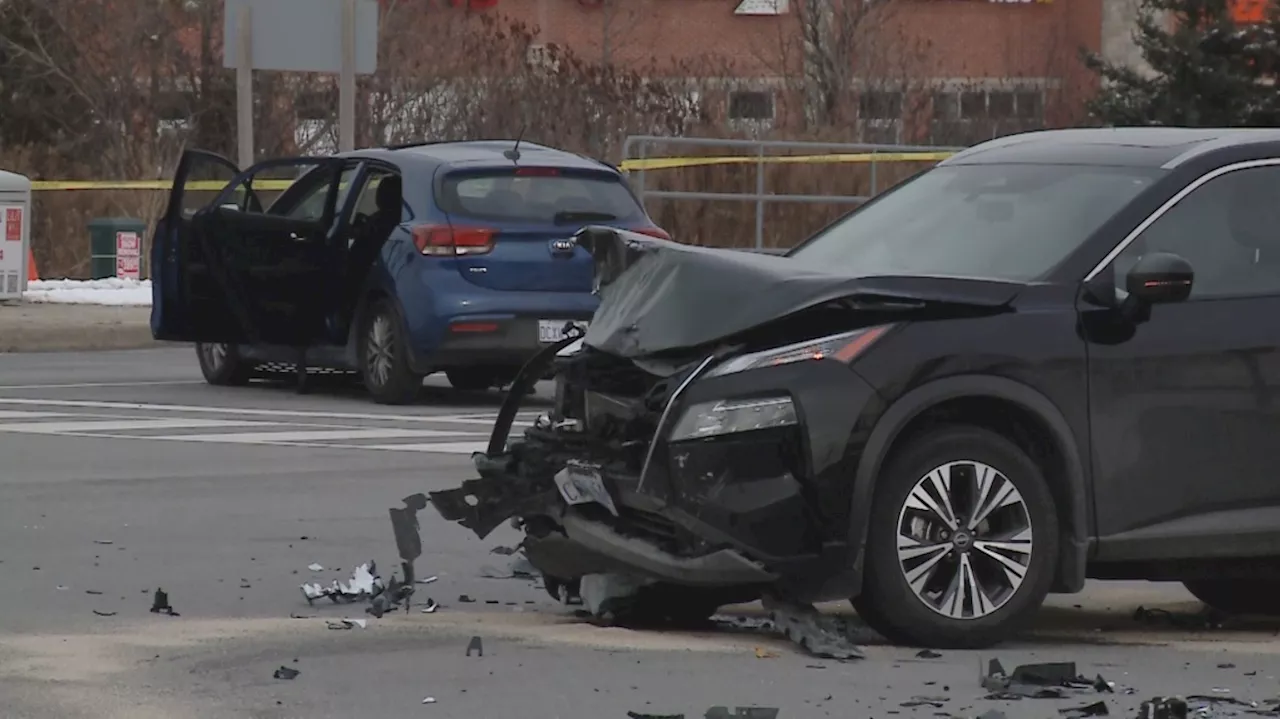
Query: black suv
x,y
1045,359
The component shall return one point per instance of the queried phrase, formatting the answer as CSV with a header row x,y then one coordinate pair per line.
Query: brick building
x,y
991,66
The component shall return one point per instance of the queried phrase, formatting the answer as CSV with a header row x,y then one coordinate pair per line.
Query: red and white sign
x,y
128,256
13,224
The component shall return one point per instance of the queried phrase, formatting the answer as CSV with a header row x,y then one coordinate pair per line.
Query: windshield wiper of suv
x,y
568,216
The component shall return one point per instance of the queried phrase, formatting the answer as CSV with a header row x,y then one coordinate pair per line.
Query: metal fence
x,y
637,149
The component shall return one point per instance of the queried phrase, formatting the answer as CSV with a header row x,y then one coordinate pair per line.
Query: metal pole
x,y
244,86
873,173
347,81
760,196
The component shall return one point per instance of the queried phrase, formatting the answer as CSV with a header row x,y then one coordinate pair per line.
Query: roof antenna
x,y
514,153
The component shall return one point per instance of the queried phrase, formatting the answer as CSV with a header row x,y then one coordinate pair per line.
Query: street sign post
x,y
329,36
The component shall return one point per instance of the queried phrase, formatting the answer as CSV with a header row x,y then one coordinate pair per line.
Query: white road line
x,y
205,409
24,414
90,385
442,447
309,436
122,425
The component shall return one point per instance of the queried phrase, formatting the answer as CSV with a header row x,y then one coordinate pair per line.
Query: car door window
x,y
310,206
1228,229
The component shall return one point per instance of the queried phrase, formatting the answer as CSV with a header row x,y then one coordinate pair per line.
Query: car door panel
x,y
172,241
250,277
1185,423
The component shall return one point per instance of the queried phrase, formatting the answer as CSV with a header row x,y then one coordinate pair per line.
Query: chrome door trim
x,y
1160,211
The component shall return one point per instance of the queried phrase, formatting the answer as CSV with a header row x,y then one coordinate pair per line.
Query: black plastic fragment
x,y
1205,619
993,714
1096,709
104,614
928,654
465,599
286,673
476,645
742,713
160,604
637,715
1163,708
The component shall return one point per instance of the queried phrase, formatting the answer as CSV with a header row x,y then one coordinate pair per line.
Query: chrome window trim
x,y
1168,205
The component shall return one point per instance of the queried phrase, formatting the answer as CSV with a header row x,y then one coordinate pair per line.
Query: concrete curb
x,y
48,327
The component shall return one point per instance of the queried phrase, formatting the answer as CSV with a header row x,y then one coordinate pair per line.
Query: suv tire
x,y
1237,596
960,461
222,365
384,358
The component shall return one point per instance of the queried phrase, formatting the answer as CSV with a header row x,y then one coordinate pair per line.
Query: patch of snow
x,y
110,291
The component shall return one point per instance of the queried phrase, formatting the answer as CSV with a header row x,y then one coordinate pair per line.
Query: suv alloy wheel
x,y
962,544
384,358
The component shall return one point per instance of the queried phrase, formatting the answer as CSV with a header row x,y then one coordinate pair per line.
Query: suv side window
x,y
1228,229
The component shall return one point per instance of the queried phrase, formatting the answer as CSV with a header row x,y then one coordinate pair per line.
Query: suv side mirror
x,y
1158,278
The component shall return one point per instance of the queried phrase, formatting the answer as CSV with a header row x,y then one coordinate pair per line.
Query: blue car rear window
x,y
539,196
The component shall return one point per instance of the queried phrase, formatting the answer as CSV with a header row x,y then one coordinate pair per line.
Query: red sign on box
x,y
128,243
13,224
128,268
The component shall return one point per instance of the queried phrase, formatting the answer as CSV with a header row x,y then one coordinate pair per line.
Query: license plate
x,y
550,331
582,484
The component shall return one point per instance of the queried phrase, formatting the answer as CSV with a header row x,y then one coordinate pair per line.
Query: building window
x,y
880,105
1030,104
1000,104
750,105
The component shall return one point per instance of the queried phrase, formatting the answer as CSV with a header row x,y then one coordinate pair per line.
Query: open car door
x,y
227,271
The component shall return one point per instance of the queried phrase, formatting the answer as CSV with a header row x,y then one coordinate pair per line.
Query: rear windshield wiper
x,y
568,216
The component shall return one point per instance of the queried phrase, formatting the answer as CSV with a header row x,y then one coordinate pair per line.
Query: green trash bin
x,y
112,238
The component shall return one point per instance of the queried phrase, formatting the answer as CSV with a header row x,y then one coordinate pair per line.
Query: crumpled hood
x,y
657,296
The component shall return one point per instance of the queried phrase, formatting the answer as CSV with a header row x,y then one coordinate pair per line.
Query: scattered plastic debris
x,y
1207,618
343,624
160,604
506,551
1096,709
1163,708
465,599
104,614
920,701
430,607
1039,681
315,567
92,591
103,541
475,645
762,653
429,700
428,580
742,713
62,588
928,654
286,673
638,715
362,585
819,635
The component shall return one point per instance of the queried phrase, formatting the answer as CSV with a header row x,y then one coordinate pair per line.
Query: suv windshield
x,y
1005,222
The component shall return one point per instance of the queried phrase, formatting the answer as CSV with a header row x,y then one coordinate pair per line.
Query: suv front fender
x,y
1075,549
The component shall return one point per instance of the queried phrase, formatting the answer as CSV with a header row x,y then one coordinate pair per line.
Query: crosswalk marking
x,y
124,425
527,415
472,436
317,435
442,447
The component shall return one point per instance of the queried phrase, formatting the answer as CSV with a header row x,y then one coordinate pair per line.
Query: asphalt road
x,y
121,472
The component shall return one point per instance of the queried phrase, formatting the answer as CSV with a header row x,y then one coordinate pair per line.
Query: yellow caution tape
x,y
205,185
667,163
652,163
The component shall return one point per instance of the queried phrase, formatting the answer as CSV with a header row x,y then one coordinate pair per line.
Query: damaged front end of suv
x,y
703,431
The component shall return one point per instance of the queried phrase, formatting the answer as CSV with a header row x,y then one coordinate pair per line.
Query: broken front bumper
x,y
732,510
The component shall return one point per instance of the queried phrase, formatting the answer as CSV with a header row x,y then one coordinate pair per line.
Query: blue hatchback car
x,y
392,262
